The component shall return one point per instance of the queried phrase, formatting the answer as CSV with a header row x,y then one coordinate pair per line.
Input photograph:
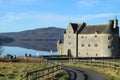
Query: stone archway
x,y
69,53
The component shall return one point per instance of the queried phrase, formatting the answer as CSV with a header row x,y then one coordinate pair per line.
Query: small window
x,y
82,37
82,45
69,31
87,53
95,36
109,47
108,38
79,53
95,45
96,54
88,45
69,36
69,43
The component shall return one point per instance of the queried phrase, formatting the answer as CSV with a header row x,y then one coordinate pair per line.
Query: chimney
x,y
115,23
111,23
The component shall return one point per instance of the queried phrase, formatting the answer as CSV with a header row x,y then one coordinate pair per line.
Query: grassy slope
x,y
110,73
63,75
13,71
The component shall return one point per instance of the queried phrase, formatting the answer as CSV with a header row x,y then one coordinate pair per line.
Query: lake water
x,y
18,51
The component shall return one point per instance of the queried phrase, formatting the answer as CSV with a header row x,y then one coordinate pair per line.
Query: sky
x,y
20,15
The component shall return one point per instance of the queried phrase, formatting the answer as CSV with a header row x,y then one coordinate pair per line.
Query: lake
x,y
19,51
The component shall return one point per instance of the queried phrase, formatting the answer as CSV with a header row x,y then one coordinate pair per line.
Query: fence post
x,y
27,76
48,72
43,75
36,75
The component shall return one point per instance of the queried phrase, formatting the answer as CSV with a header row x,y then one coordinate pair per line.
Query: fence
x,y
98,63
34,75
42,74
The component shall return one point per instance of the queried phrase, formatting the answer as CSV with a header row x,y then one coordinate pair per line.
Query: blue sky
x,y
19,15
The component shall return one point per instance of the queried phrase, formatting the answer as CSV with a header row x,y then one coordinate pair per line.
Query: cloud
x,y
87,3
16,3
49,19
28,18
102,15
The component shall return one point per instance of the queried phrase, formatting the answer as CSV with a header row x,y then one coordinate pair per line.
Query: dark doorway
x,y
69,53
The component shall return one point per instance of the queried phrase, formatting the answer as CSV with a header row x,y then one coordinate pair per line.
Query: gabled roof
x,y
91,29
99,29
74,26
80,27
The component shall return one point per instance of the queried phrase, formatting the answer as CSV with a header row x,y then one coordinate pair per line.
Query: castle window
x,y
82,45
88,45
95,45
110,47
96,54
95,36
82,37
69,31
69,36
87,53
69,43
110,38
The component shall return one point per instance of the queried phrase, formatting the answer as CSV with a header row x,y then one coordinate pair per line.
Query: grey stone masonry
x,y
81,40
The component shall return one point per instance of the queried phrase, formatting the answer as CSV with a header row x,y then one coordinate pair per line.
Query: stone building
x,y
81,40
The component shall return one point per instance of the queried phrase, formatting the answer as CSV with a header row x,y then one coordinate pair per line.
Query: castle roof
x,y
74,26
82,28
91,29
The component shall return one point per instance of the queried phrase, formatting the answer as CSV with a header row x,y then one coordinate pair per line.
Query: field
x,y
14,70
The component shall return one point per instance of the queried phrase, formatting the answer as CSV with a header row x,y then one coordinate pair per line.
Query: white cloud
x,y
31,18
102,15
50,19
17,2
87,3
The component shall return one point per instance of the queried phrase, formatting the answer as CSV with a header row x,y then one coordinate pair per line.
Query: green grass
x,y
110,73
64,76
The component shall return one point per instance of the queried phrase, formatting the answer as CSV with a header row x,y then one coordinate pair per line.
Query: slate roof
x,y
91,29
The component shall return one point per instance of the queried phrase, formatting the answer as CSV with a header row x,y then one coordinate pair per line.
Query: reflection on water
x,y
18,51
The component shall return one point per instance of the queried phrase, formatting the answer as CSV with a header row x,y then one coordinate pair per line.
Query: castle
x,y
81,40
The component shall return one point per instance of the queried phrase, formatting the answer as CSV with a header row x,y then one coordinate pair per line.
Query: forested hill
x,y
38,39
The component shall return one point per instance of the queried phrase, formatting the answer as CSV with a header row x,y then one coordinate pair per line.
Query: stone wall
x,y
90,45
70,42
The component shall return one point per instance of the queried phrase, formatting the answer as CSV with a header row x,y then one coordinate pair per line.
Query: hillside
x,y
39,39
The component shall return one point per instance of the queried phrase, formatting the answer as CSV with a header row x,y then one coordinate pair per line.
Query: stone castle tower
x,y
81,40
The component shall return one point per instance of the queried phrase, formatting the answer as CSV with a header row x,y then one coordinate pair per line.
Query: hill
x,y
44,39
